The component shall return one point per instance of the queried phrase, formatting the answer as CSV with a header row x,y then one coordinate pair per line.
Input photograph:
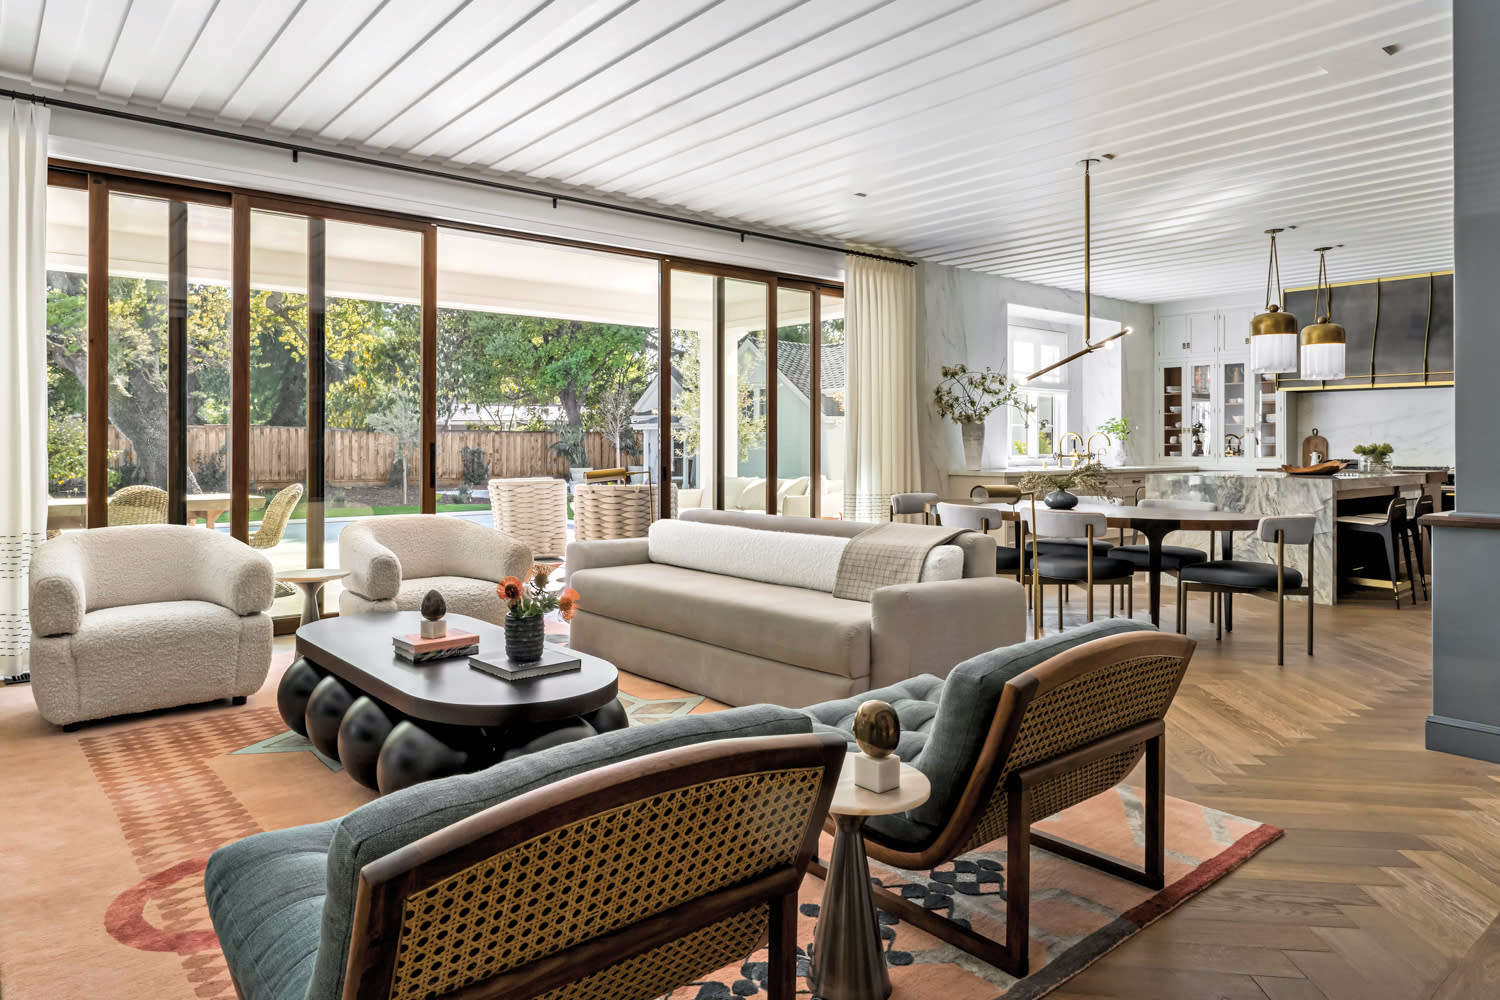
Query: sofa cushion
x,y
265,895
801,627
785,558
943,723
380,827
463,595
126,657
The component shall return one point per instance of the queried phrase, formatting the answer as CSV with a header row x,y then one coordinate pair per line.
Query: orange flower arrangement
x,y
531,598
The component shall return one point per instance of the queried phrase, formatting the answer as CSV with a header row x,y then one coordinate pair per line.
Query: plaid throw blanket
x,y
886,554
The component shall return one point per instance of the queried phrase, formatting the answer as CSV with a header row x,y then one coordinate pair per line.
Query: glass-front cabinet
x,y
1213,411
1236,411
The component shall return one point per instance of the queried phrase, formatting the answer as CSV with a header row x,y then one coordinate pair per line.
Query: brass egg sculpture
x,y
876,728
433,606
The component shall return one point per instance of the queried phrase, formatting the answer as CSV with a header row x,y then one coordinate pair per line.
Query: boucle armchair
x,y
393,561
130,619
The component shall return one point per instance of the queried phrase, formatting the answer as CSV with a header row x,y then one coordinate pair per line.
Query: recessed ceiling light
x,y
1390,50
860,194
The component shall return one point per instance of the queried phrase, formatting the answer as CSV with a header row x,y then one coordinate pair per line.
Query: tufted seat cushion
x,y
1173,557
1243,575
944,723
1076,567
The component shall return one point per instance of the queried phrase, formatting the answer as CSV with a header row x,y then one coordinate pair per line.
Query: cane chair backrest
x,y
530,896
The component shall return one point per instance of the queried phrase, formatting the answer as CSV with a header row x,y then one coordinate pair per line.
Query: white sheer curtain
x,y
23,365
880,303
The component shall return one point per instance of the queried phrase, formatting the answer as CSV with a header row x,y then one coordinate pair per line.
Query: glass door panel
x,y
1266,415
372,362
1202,426
834,380
1236,394
67,357
745,400
796,402
138,253
1171,412
693,437
278,401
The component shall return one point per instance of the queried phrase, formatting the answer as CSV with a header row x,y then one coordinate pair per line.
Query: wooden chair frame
x,y
386,883
1282,593
999,789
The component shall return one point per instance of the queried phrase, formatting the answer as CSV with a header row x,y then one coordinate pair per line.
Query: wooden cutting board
x,y
1314,442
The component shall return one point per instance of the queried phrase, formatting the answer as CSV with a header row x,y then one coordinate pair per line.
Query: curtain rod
x,y
297,149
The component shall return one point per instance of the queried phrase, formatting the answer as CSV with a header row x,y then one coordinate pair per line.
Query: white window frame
x,y
1045,347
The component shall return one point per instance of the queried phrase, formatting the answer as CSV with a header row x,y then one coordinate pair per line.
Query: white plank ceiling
x,y
943,129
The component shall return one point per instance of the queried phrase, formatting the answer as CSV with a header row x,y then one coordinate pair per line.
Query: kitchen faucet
x,y
1075,454
1090,446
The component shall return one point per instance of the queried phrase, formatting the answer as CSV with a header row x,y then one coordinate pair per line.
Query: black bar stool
x,y
1390,528
1415,530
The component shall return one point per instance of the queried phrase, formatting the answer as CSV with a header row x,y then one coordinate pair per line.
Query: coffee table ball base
x,y
295,688
609,718
545,738
411,755
325,713
362,733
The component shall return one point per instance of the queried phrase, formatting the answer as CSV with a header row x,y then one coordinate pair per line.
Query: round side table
x,y
847,963
311,581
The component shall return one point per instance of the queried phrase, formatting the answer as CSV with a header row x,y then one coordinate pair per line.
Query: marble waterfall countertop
x,y
1271,493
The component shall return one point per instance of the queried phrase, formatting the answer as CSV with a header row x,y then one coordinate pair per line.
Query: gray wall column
x,y
1465,629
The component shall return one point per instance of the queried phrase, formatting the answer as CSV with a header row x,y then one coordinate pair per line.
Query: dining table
x,y
1155,523
65,513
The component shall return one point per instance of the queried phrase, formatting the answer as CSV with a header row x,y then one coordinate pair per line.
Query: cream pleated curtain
x,y
23,366
880,309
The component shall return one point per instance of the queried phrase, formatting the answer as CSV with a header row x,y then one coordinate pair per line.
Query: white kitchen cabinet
x,y
1203,379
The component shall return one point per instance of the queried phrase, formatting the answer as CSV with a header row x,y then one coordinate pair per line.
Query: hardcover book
x,y
553,661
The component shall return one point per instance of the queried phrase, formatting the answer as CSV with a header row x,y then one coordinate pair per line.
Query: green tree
x,y
401,419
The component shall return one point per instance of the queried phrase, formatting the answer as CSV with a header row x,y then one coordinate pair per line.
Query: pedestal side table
x,y
847,963
311,581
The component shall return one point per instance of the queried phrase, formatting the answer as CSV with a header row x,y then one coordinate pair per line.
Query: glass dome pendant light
x,y
1273,334
1323,342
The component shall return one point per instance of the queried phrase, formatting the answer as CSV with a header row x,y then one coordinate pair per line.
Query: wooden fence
x,y
278,455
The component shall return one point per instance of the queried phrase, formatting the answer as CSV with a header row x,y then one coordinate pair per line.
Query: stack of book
x,y
553,661
445,647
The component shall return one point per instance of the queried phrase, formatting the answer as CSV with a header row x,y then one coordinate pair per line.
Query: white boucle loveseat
x,y
134,618
739,607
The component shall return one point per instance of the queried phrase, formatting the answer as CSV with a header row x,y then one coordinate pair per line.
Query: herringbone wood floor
x,y
1387,883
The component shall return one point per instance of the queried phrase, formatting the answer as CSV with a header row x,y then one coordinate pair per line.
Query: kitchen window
x,y
1035,435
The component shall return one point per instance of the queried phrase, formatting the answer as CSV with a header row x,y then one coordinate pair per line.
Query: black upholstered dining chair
x,y
983,519
912,503
1173,557
1083,565
1235,576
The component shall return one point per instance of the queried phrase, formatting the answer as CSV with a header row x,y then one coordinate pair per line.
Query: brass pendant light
x,y
1089,345
1273,334
1323,342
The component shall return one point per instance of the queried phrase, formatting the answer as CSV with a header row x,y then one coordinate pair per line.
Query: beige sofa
x,y
739,640
394,561
130,619
748,494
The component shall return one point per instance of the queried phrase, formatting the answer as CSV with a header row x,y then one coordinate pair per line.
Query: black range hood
x,y
1400,332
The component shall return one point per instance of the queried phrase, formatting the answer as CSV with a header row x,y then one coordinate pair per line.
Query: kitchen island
x,y
1275,493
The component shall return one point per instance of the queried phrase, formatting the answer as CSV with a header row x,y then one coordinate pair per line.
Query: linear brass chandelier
x,y
1273,334
1323,342
1089,345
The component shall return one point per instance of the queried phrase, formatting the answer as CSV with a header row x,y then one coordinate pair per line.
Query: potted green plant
x,y
529,600
1118,430
1058,488
967,397
1378,455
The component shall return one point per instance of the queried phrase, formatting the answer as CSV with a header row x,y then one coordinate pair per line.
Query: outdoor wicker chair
x,y
138,505
1012,737
273,525
533,511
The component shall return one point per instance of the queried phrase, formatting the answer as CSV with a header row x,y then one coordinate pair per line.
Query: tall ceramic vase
x,y
973,443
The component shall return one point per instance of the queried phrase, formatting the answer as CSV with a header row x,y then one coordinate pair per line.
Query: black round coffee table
x,y
393,723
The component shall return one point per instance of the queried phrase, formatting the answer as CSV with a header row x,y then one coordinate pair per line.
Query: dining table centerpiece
x,y
1060,489
967,397
529,600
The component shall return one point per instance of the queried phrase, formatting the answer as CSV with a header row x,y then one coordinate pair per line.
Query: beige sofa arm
x,y
233,575
57,597
610,552
374,570
929,628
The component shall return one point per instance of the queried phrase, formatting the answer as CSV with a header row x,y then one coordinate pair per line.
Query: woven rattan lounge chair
x,y
273,521
625,865
138,505
1012,737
